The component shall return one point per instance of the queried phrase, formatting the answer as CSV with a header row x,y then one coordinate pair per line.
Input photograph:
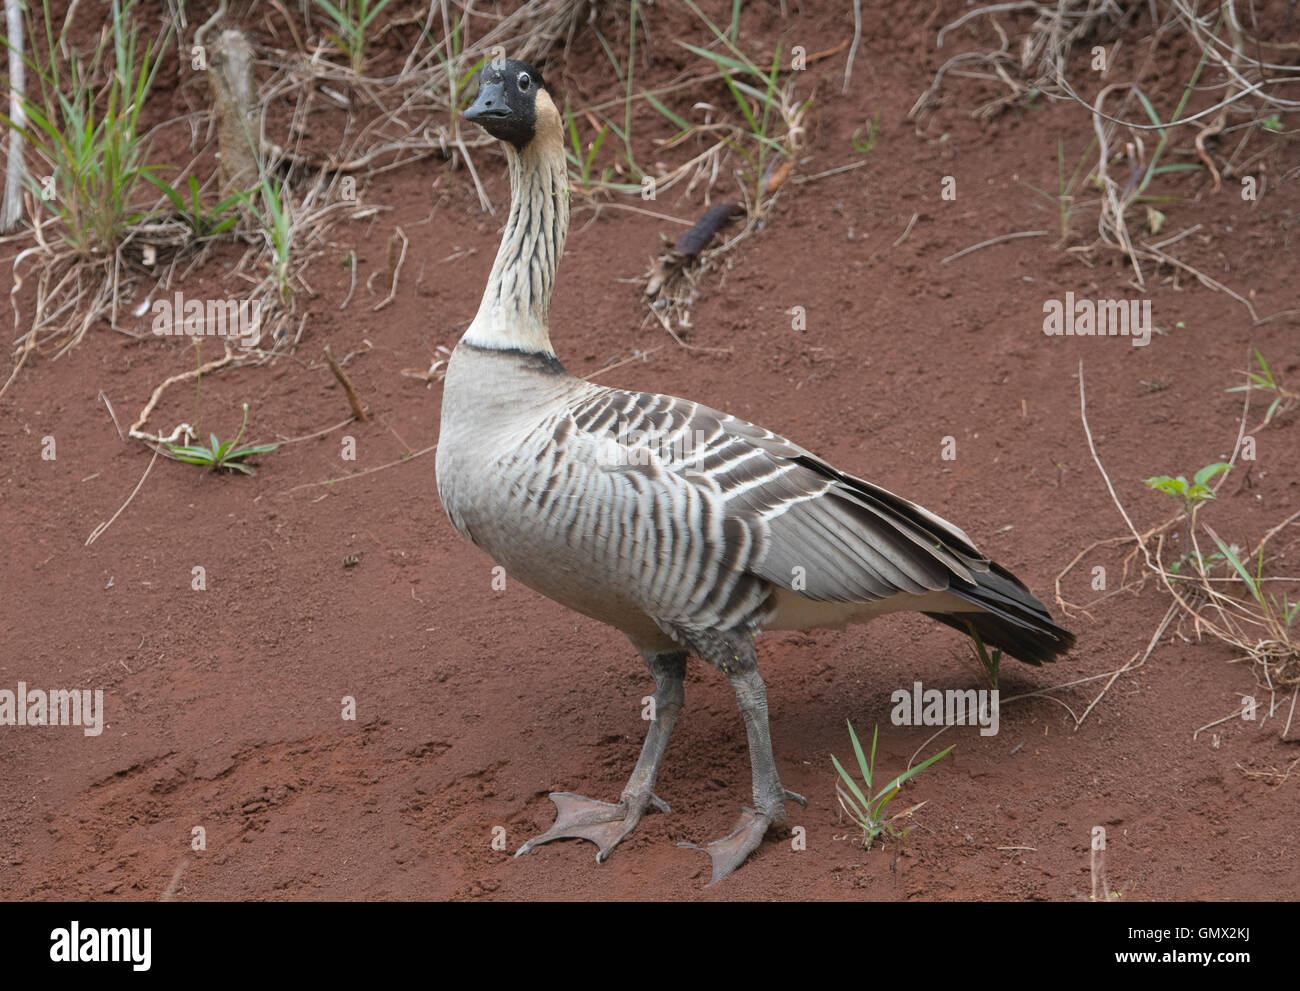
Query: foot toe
x,y
730,852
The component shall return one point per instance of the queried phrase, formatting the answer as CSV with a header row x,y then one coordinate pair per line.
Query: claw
x,y
603,823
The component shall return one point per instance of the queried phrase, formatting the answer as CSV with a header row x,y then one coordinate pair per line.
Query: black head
x,y
506,106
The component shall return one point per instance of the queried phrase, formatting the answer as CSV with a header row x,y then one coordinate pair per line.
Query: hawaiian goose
x,y
686,528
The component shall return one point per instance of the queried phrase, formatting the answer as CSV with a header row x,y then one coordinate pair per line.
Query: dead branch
x,y
353,400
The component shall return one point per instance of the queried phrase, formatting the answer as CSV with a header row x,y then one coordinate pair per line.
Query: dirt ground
x,y
223,706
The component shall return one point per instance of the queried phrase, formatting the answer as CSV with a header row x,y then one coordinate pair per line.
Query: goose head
x,y
512,99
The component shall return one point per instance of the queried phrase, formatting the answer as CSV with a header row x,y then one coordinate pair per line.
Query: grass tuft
x,y
84,124
868,809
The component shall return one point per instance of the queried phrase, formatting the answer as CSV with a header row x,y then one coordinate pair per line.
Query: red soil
x,y
223,706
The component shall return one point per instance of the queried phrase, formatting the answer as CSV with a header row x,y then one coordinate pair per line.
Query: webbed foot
x,y
604,823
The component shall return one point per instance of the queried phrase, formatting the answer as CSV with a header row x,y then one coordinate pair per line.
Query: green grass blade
x,y
192,455
166,189
720,60
863,766
1238,567
609,54
853,785
336,15
1268,373
886,794
372,13
189,449
1151,112
875,735
595,148
665,112
899,781
744,107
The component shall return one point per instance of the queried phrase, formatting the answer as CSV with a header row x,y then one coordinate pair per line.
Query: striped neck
x,y
513,313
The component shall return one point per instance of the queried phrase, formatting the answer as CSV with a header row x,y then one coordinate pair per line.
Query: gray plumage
x,y
655,514
684,527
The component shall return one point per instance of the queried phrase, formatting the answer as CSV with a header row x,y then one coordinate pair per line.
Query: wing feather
x,y
783,509
713,523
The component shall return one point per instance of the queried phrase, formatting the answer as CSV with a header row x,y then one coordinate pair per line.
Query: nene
x,y
687,529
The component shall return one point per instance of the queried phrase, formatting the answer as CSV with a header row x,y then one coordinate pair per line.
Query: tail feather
x,y
1009,617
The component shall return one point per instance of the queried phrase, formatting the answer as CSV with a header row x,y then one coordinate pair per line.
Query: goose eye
x,y
524,82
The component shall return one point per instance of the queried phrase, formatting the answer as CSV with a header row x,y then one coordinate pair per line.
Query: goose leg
x,y
730,852
607,824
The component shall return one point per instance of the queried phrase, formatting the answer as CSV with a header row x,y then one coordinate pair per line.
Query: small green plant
x,y
277,224
1066,189
765,145
627,77
583,160
759,133
352,19
864,146
866,809
460,92
777,105
1283,398
222,456
1137,194
1207,563
204,223
1272,122
1279,615
1192,495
